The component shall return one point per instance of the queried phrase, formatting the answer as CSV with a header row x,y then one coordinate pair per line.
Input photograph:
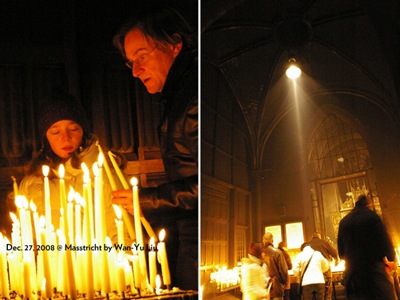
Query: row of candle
x,y
81,232
224,278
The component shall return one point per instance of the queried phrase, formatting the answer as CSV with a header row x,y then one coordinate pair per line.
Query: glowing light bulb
x,y
293,72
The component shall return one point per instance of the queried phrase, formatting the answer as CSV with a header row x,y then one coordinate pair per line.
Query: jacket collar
x,y
182,64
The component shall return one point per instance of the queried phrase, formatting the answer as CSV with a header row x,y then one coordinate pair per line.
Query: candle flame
x,y
118,211
14,218
18,201
86,173
152,243
33,206
42,221
78,198
158,281
71,194
100,159
24,202
45,170
161,236
95,169
61,171
134,181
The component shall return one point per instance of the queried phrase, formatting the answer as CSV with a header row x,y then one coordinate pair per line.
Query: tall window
x,y
337,149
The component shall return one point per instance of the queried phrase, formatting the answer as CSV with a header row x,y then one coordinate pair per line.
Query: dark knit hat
x,y
256,249
61,106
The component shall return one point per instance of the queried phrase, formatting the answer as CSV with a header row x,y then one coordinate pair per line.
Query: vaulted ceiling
x,y
345,48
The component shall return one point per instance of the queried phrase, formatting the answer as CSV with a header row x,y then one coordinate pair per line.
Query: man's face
x,y
150,64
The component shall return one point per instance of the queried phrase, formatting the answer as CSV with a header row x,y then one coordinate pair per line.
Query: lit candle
x,y
101,232
78,216
138,230
35,222
47,204
70,214
128,274
107,169
88,240
80,266
158,284
136,268
89,203
46,265
120,272
152,263
4,284
111,265
120,224
118,171
22,204
27,278
163,260
68,254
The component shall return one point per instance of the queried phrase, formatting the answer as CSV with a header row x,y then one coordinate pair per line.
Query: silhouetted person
x,y
364,243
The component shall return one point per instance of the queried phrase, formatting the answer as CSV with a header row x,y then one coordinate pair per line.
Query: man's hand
x,y
123,198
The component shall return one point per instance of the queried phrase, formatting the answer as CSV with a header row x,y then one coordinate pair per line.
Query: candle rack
x,y
42,263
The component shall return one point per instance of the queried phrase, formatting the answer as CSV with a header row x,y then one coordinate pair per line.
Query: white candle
x,y
162,259
35,222
138,231
89,203
118,171
120,272
100,213
47,204
152,263
120,224
107,169
136,268
158,284
27,278
111,265
78,216
45,255
88,240
70,214
68,254
4,283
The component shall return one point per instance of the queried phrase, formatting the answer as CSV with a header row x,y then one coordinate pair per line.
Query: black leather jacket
x,y
178,135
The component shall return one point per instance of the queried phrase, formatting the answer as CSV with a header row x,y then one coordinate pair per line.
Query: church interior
x,y
291,156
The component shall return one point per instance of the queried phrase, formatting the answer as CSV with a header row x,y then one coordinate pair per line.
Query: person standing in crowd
x,y
66,139
331,254
276,266
255,281
282,247
161,50
310,267
364,244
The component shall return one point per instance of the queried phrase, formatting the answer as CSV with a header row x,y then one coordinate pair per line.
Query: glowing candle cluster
x,y
78,259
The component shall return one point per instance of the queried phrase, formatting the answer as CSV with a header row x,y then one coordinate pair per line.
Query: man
x,y
330,253
160,51
276,266
364,244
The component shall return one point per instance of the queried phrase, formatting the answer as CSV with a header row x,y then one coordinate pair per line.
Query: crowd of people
x,y
364,245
